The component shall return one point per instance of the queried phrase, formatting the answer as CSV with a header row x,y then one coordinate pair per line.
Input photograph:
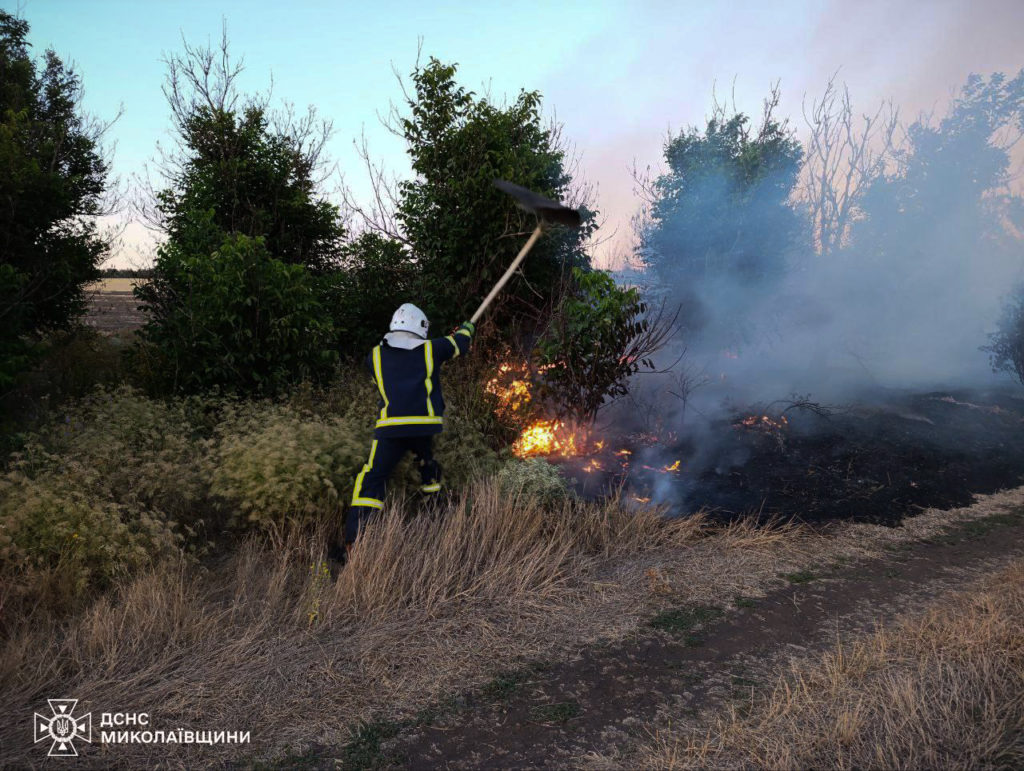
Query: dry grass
x,y
943,689
265,642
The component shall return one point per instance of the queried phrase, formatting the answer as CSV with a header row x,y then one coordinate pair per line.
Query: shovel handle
x,y
508,273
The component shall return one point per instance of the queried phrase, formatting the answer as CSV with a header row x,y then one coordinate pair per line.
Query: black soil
x,y
876,462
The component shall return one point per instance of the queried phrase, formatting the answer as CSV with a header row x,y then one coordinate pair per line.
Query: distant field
x,y
114,285
112,307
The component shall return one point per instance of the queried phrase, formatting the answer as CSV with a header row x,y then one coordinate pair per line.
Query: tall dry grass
x,y
942,689
265,641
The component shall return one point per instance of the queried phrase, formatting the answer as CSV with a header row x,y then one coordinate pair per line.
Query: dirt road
x,y
687,663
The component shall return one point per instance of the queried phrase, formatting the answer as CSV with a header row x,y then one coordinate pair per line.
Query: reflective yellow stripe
x,y
416,420
371,502
465,332
359,478
454,345
428,355
379,377
431,488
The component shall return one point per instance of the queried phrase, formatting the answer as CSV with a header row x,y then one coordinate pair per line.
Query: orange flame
x,y
545,437
512,390
673,467
765,422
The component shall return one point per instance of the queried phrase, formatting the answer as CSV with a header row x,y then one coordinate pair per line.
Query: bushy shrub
x,y
590,349
1006,344
275,464
534,478
144,452
238,319
53,524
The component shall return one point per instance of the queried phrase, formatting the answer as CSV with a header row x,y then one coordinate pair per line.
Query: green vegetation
x,y
722,207
235,301
560,712
973,529
595,318
235,318
119,480
533,478
459,226
683,621
364,750
52,185
1006,344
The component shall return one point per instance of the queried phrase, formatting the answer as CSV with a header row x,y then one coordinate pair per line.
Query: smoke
x,y
898,310
904,304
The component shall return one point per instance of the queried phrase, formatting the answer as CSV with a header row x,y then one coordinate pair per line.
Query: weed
x,y
683,621
364,750
503,686
744,602
560,712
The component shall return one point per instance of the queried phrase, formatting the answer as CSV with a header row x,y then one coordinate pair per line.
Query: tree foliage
x,y
237,318
52,182
255,182
952,174
721,208
375,278
1006,344
237,299
598,338
464,233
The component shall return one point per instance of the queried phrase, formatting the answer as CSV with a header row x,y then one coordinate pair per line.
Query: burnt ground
x,y
685,662
877,461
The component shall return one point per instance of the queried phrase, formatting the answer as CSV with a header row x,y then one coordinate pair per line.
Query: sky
x,y
618,75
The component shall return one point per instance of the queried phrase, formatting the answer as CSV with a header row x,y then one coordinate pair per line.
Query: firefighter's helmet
x,y
409,318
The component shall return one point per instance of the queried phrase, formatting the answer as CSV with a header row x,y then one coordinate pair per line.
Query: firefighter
x,y
406,367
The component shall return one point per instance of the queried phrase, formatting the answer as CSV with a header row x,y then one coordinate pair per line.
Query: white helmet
x,y
409,318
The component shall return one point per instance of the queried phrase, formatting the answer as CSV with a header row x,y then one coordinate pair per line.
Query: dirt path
x,y
688,660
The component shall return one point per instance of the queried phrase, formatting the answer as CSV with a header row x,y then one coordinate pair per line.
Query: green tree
x,y
376,277
721,210
462,232
256,182
52,182
237,298
239,319
947,194
940,232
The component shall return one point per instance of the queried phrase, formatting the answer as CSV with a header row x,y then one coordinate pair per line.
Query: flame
x,y
593,465
623,453
545,437
764,422
511,388
673,467
641,499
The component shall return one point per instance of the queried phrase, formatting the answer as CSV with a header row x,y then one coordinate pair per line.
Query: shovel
x,y
547,211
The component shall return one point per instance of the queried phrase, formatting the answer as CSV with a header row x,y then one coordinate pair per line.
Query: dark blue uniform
x,y
411,412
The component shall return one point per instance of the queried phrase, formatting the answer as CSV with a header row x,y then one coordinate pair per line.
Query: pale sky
x,y
618,75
